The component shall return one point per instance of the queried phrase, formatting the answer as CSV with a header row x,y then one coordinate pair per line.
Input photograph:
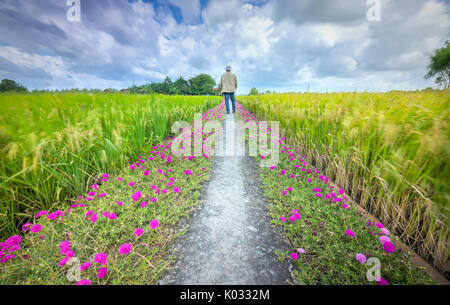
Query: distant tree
x,y
439,66
202,84
8,85
167,85
181,86
253,91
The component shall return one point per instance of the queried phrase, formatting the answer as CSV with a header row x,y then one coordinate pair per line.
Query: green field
x,y
389,151
53,146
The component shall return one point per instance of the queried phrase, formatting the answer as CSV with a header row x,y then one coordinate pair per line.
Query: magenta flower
x,y
146,172
112,216
101,272
63,261
7,258
382,281
389,247
282,219
350,233
26,226
361,258
138,232
120,203
84,282
36,228
101,258
94,218
283,172
85,266
125,249
39,214
294,256
176,189
136,196
188,172
301,250
154,224
379,225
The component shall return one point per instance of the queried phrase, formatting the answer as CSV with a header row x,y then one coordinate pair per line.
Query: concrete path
x,y
229,239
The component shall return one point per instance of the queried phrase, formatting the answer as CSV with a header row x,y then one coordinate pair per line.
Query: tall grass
x,y
53,145
390,151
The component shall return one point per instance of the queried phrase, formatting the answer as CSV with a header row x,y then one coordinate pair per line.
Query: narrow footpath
x,y
229,240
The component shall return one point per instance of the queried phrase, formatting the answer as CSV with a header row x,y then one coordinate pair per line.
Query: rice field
x,y
388,151
53,145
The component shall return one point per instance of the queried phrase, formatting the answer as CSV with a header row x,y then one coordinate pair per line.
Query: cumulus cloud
x,y
278,45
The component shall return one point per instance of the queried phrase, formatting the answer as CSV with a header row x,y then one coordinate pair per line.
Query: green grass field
x,y
53,146
389,151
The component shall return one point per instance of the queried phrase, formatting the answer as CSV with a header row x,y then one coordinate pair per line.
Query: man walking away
x,y
228,83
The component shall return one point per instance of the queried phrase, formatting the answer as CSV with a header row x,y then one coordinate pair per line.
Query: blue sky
x,y
282,45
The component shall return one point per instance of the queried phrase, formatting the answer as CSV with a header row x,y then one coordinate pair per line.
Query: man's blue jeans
x,y
227,98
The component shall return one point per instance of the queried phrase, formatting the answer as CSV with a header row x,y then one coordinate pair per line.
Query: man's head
x,y
228,68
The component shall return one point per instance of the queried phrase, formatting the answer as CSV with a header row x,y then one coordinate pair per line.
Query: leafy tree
x,y
182,86
167,85
439,66
202,84
8,85
253,91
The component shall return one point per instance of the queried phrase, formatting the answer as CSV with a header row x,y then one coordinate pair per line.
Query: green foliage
x,y
439,66
202,84
253,91
8,85
53,145
389,151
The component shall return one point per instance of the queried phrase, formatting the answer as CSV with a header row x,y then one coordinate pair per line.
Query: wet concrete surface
x,y
229,239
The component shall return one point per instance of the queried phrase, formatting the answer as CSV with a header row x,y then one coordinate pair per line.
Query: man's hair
x,y
228,68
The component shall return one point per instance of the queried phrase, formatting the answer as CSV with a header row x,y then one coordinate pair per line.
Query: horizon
x,y
277,45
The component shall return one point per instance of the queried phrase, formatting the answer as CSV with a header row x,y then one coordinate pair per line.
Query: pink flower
x,y
36,228
146,172
294,256
138,232
382,281
350,233
41,213
385,231
379,225
7,258
120,203
283,172
383,239
154,224
389,247
125,249
14,240
361,258
301,250
85,266
143,204
84,282
176,189
132,167
101,258
131,183
101,272
94,218
188,172
136,196
63,261
112,216
282,219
